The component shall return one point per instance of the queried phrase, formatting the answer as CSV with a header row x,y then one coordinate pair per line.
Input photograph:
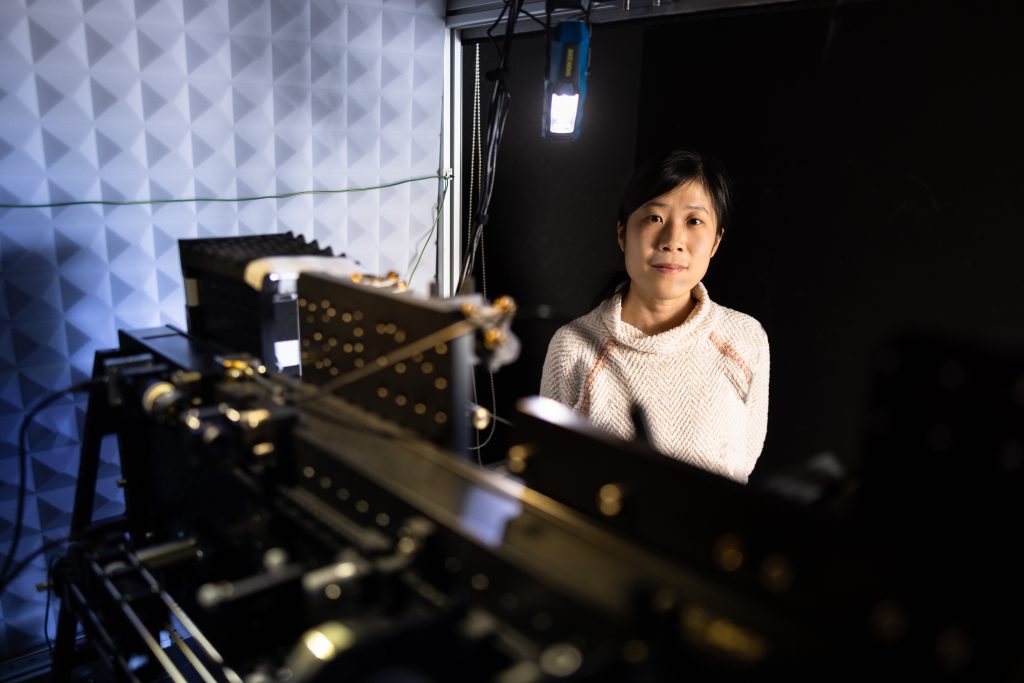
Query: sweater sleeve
x,y
757,404
557,380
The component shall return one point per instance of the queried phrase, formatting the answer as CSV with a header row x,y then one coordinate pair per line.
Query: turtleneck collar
x,y
665,342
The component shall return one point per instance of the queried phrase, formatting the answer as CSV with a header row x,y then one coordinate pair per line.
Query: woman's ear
x,y
718,241
620,232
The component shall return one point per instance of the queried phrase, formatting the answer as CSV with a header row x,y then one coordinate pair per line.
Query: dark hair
x,y
663,174
668,171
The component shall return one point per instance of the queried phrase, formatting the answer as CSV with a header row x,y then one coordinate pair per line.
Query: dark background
x,y
876,152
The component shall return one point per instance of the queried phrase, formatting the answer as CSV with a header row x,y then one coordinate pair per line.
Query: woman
x,y
697,371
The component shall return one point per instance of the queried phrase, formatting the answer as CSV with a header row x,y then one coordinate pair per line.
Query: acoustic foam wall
x,y
128,100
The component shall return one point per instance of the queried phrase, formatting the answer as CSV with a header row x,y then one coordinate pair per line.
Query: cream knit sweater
x,y
703,385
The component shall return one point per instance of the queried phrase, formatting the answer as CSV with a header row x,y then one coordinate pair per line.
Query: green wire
x,y
437,217
57,205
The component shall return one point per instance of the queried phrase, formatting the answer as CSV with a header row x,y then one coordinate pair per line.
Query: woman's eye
x,y
696,221
655,219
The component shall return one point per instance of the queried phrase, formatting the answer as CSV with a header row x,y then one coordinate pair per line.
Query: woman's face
x,y
668,244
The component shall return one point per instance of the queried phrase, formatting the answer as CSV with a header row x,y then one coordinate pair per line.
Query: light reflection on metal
x,y
485,514
701,626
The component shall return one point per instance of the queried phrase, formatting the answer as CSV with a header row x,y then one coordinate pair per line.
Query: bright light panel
x,y
563,113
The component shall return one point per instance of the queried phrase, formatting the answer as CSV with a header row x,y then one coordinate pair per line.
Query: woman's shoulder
x,y
738,328
584,331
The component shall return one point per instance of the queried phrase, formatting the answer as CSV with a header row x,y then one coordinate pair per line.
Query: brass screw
x,y
505,304
481,418
517,456
777,573
493,339
729,552
889,621
609,500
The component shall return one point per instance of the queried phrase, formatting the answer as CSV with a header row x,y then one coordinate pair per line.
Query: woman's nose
x,y
671,238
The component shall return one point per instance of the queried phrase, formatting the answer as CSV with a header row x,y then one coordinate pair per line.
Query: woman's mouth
x,y
669,267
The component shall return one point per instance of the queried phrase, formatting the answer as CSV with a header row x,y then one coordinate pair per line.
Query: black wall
x,y
876,150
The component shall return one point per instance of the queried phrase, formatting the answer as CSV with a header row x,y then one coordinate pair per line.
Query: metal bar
x,y
140,628
152,644
475,18
109,651
191,628
191,657
449,237
97,425
180,615
165,553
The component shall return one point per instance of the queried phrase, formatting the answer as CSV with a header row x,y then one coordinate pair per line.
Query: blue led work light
x,y
565,87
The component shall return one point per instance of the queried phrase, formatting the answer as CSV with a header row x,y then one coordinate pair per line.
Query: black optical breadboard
x,y
345,327
222,308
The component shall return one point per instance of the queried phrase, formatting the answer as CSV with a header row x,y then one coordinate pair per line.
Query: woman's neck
x,y
654,316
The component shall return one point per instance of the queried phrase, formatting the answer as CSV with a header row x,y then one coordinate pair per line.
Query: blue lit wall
x,y
127,100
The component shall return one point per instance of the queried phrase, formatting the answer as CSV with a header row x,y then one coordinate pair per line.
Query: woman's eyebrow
x,y
662,205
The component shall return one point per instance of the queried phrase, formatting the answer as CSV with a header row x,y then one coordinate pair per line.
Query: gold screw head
x,y
609,500
517,456
481,418
777,573
493,338
729,552
505,304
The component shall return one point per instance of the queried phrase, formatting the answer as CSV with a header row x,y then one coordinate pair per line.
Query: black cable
x,y
46,613
490,29
21,566
19,514
535,19
497,116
